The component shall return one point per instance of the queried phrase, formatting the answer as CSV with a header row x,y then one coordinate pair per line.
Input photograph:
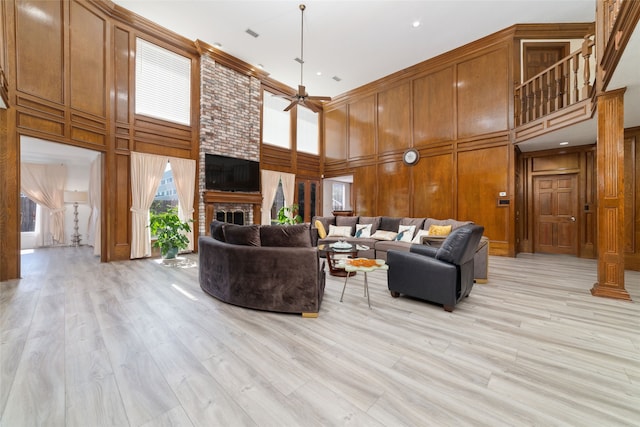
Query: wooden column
x,y
610,157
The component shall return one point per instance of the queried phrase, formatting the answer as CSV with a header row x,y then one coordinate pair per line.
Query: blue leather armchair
x,y
441,275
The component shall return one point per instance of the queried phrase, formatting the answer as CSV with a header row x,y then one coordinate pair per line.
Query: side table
x,y
364,265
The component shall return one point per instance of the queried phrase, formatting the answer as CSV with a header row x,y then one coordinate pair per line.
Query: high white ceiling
x,y
358,41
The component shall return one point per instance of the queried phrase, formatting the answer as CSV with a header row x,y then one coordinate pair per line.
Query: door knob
x,y
573,219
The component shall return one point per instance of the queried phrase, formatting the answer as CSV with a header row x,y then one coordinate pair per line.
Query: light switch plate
x,y
503,194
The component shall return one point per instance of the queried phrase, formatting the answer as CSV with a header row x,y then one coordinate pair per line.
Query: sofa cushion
x,y
322,232
439,230
363,230
297,235
418,237
384,235
339,231
246,235
347,221
325,220
389,224
215,230
454,223
373,220
418,222
405,233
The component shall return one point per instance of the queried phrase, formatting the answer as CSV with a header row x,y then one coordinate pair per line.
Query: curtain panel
x,y
146,173
184,176
270,180
44,184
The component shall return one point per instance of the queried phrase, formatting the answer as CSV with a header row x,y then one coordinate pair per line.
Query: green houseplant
x,y
288,215
169,232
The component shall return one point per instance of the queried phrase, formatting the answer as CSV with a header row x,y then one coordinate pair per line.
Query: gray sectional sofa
x,y
378,248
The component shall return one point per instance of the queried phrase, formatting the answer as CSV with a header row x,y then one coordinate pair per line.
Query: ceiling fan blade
x,y
312,106
293,104
319,98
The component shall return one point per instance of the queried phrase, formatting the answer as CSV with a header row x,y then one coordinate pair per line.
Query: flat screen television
x,y
224,173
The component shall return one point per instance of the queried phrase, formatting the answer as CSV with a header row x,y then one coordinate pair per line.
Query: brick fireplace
x,y
230,126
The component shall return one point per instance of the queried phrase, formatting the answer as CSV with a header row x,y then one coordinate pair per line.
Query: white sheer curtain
x,y
270,180
184,177
95,198
44,184
146,173
288,187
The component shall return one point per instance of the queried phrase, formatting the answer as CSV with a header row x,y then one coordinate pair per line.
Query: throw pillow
x,y
384,235
336,231
215,230
405,233
419,234
246,235
363,230
344,221
439,230
322,233
297,235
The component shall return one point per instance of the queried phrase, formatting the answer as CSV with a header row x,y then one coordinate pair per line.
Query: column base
x,y
609,292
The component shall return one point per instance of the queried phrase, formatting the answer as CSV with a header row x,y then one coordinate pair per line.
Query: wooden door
x,y
537,57
555,214
308,198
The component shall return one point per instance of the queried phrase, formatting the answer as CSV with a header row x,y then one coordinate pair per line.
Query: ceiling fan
x,y
302,97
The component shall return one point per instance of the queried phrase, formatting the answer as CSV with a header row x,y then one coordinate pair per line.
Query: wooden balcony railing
x,y
561,85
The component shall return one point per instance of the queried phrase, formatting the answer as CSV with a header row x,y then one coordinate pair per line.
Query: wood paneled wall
x,y
71,65
632,199
455,110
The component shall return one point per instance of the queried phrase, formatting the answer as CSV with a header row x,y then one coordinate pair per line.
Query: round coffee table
x,y
336,256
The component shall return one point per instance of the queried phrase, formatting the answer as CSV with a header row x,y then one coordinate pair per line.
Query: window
x,y
338,196
166,195
278,202
27,214
163,83
276,122
307,138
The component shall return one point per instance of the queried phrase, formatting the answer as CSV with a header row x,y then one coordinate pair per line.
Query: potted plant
x,y
169,232
288,215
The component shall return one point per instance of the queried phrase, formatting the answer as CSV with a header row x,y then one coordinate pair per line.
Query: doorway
x,y
539,56
555,214
82,213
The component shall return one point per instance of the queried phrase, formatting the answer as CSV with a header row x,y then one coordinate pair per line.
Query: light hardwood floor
x,y
139,344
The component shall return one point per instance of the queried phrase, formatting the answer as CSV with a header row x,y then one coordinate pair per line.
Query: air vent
x,y
299,61
252,33
336,78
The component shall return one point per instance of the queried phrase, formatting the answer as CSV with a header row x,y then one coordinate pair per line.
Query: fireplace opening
x,y
232,217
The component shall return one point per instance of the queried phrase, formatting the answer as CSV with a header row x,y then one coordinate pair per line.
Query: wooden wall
x,y
71,81
632,199
456,111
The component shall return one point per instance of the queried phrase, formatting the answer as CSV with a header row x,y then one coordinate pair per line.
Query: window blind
x,y
163,83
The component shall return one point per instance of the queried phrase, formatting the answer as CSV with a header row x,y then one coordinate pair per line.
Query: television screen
x,y
231,174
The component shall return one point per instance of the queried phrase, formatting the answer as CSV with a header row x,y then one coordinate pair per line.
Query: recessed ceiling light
x,y
217,45
564,143
319,73
261,66
415,24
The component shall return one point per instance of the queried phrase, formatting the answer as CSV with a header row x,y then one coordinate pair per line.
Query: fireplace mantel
x,y
211,197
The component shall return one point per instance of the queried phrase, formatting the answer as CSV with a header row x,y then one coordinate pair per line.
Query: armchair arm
x,y
429,251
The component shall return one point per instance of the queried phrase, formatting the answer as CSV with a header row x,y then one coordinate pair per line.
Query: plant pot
x,y
171,253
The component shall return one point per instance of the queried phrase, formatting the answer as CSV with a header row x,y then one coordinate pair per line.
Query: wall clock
x,y
411,157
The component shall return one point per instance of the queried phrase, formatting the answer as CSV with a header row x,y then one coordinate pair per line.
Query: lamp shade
x,y
75,196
